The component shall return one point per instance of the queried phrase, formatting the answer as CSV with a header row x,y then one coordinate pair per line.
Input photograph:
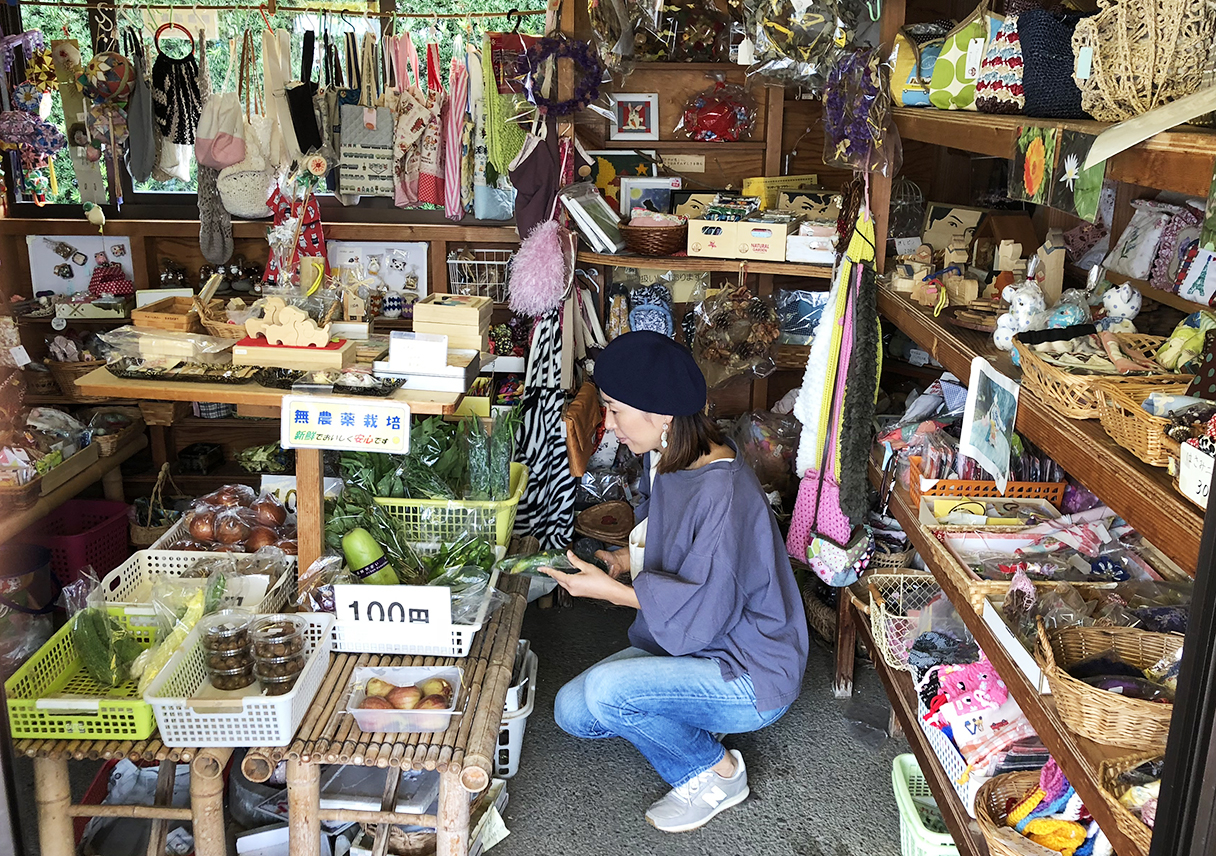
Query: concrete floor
x,y
820,777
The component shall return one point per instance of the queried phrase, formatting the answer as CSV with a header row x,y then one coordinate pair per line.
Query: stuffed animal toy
x,y
1122,304
1025,304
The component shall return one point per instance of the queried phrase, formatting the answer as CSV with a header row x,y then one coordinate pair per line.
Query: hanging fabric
x,y
300,101
220,139
454,139
430,167
90,181
367,135
537,175
493,197
244,187
504,136
282,147
546,509
176,100
141,134
861,393
214,222
413,115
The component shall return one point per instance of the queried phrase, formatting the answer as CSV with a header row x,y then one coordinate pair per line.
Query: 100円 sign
x,y
343,422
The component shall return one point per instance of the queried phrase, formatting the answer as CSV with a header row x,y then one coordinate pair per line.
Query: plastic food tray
x,y
236,718
53,696
404,721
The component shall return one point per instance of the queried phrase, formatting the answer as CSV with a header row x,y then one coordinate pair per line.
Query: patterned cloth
x,y
454,113
546,509
999,88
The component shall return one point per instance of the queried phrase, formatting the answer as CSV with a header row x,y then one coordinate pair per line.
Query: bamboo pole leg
x,y
166,776
53,793
846,644
310,505
303,806
111,485
453,828
207,801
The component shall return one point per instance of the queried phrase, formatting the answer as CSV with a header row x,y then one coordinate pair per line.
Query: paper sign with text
x,y
341,422
408,607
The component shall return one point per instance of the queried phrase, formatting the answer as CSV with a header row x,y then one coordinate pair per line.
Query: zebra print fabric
x,y
546,510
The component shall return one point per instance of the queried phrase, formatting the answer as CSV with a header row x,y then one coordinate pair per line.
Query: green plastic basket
x,y
53,697
438,521
916,805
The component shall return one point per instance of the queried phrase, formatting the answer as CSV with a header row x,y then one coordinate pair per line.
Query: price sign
x,y
407,607
340,422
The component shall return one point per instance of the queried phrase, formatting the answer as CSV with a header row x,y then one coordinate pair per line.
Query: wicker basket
x,y
655,240
1100,715
1136,430
1145,53
40,383
146,536
1079,396
16,498
1108,779
216,324
610,522
820,616
886,559
990,814
66,375
895,604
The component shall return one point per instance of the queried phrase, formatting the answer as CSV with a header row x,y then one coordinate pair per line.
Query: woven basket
x,y
1100,715
895,604
655,240
40,383
1145,53
16,498
217,325
1078,396
610,522
66,375
146,536
886,559
1136,430
990,814
821,617
1108,779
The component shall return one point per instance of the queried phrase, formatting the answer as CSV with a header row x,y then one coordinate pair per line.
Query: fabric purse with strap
x,y
958,65
220,138
244,187
300,101
367,135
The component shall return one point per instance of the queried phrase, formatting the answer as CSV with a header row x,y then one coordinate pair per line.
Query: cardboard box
x,y
768,187
470,309
810,251
743,240
1017,652
712,239
70,468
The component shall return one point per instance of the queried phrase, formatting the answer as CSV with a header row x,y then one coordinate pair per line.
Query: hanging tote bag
x,y
141,132
430,167
454,138
958,65
244,187
366,157
220,138
999,87
408,165
300,101
413,115
282,147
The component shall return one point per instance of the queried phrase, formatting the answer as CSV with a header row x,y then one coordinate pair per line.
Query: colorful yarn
x,y
1047,809
1063,836
1148,812
1021,812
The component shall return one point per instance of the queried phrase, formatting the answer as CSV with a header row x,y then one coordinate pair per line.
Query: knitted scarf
x,y
861,390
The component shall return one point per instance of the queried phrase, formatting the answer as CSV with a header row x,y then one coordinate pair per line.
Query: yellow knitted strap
x,y
1063,836
1023,809
825,407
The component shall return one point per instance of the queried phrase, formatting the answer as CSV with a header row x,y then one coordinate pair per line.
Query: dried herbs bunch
x,y
858,130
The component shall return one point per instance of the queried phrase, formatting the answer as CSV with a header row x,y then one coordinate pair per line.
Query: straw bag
x,y
244,187
220,139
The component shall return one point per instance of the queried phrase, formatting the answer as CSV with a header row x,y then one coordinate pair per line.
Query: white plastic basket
x,y
913,799
120,586
233,718
955,766
511,737
441,640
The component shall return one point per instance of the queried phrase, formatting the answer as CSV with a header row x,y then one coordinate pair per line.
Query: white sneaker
x,y
700,799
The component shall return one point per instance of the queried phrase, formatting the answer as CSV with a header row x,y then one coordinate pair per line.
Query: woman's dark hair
x,y
688,438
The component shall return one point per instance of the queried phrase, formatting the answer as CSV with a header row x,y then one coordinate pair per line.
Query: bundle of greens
x,y
104,646
490,455
466,551
356,508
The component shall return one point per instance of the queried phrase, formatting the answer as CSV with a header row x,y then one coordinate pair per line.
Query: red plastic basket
x,y
82,532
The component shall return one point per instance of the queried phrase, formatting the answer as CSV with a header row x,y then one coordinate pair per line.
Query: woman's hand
x,y
616,560
592,582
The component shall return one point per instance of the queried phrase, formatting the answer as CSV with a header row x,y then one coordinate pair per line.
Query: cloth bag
x,y
430,147
244,187
300,101
999,87
1046,41
912,70
141,133
958,65
366,155
220,138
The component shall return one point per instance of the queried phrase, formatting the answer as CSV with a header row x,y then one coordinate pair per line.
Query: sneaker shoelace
x,y
692,787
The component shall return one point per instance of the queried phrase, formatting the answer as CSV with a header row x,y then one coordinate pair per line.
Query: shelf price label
x,y
345,423
403,607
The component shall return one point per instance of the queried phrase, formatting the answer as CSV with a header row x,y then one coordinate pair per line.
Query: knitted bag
x,y
958,65
245,186
999,88
1046,41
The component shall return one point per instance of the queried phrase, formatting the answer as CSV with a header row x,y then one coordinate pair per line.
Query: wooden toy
x,y
287,325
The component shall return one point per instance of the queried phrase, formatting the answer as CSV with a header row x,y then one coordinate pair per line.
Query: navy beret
x,y
651,372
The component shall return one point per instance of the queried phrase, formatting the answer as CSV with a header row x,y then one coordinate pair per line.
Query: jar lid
x,y
278,628
225,623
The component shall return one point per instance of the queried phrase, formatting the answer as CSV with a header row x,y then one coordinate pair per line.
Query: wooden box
x,y
337,355
70,468
461,337
172,313
467,309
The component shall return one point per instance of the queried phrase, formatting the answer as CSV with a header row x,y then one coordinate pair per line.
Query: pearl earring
x,y
663,439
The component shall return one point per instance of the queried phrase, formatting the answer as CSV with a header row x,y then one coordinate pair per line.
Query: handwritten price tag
x,y
414,607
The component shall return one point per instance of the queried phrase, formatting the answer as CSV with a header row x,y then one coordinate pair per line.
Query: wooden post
x,y
880,186
53,794
310,506
846,644
304,803
453,828
166,776
111,485
207,801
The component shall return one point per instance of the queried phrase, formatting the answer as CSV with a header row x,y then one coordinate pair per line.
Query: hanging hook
x,y
518,18
265,16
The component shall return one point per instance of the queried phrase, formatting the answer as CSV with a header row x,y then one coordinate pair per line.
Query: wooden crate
x,y
172,313
164,412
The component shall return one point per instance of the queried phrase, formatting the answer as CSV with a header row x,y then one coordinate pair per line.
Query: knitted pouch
x,y
999,88
1047,56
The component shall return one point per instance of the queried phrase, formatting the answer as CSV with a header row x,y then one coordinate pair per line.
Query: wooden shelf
x,y
1143,495
101,383
198,483
690,263
686,146
23,320
13,522
902,695
1078,757
686,66
1179,160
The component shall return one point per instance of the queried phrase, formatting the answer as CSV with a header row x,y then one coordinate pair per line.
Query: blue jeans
x,y
667,707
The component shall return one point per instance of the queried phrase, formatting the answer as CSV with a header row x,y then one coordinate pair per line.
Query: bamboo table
x,y
463,755
53,793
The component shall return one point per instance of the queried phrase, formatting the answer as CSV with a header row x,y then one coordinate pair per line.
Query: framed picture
x,y
635,116
596,220
691,203
943,221
653,194
609,167
1034,162
991,410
